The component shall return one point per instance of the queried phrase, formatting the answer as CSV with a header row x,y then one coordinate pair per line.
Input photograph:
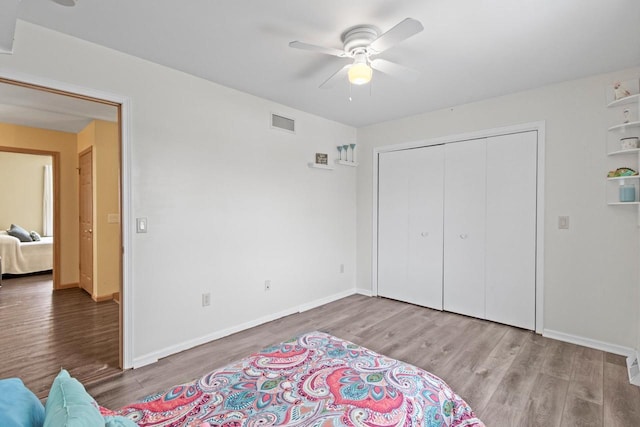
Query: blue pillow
x,y
19,407
69,404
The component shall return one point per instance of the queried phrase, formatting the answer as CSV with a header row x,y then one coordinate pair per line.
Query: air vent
x,y
284,123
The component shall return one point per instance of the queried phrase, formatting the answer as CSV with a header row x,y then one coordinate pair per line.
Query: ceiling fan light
x,y
65,2
360,73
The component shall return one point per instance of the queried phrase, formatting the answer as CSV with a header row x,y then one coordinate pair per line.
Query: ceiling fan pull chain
x,y
350,99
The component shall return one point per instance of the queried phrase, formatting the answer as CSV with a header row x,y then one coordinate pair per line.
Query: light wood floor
x,y
42,331
509,376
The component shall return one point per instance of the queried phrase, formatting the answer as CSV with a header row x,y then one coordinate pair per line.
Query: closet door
x,y
464,227
410,209
511,229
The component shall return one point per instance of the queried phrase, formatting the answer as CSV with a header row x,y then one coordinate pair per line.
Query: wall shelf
x,y
619,152
347,163
624,126
319,166
631,99
622,203
621,178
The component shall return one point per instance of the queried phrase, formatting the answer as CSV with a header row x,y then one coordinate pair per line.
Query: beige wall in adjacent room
x,y
64,143
22,189
103,138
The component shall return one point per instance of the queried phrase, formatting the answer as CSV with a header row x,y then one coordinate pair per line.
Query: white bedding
x,y
25,257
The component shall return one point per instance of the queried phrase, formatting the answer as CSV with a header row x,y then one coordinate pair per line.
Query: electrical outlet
x,y
206,299
267,285
563,222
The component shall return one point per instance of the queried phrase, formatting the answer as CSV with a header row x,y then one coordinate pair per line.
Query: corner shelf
x,y
629,129
347,163
621,178
622,203
624,126
619,152
319,166
631,99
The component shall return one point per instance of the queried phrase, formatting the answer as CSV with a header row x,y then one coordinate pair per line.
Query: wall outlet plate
x,y
206,299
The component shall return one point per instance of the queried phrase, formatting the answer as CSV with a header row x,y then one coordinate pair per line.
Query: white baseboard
x,y
365,292
326,300
588,342
153,357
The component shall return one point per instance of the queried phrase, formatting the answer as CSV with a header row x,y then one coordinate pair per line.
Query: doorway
x,y
23,94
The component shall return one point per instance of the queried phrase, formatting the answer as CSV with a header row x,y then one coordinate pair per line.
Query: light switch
x,y
563,222
141,225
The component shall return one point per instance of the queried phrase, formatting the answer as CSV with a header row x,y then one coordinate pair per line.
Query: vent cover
x,y
284,123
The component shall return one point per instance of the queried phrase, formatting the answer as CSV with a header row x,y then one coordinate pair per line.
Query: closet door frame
x,y
539,127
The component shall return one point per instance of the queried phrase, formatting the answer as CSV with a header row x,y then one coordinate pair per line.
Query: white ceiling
x,y
469,49
40,109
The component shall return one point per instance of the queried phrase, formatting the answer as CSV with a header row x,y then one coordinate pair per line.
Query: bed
x,y
25,257
313,380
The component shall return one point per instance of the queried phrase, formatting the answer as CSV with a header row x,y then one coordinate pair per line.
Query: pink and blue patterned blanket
x,y
313,380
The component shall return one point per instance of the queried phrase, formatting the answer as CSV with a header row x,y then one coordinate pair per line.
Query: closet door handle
x,y
464,236
424,233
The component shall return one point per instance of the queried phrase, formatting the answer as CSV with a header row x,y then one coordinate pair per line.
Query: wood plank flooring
x,y
509,376
83,338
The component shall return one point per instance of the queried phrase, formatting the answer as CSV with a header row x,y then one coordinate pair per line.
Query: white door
x,y
464,227
511,229
410,227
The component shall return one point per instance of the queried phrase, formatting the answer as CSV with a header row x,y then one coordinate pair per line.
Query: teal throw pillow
x,y
69,404
118,421
19,407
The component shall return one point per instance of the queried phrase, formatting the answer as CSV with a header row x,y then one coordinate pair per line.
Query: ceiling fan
x,y
362,43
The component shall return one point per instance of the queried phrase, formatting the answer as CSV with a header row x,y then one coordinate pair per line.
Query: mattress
x,y
25,257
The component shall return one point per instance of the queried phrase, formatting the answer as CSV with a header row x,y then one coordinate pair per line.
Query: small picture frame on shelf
x,y
322,159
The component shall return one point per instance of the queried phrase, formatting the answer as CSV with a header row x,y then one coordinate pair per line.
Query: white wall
x,y
591,270
230,202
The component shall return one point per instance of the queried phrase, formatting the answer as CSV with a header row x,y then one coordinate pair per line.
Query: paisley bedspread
x,y
313,380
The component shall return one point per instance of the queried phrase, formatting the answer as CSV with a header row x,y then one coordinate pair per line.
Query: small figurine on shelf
x,y
626,113
620,91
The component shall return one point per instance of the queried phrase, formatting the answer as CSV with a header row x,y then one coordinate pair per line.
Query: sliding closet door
x,y
464,227
410,209
511,229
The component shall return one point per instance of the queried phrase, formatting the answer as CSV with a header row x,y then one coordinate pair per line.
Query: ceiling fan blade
x,y
395,70
326,50
400,32
335,77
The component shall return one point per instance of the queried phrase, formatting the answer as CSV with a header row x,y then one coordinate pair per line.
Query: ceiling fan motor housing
x,y
357,39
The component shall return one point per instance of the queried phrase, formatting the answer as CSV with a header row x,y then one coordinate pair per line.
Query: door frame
x,y
525,127
124,107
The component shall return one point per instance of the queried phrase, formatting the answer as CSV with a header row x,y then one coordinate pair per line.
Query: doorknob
x,y
464,236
